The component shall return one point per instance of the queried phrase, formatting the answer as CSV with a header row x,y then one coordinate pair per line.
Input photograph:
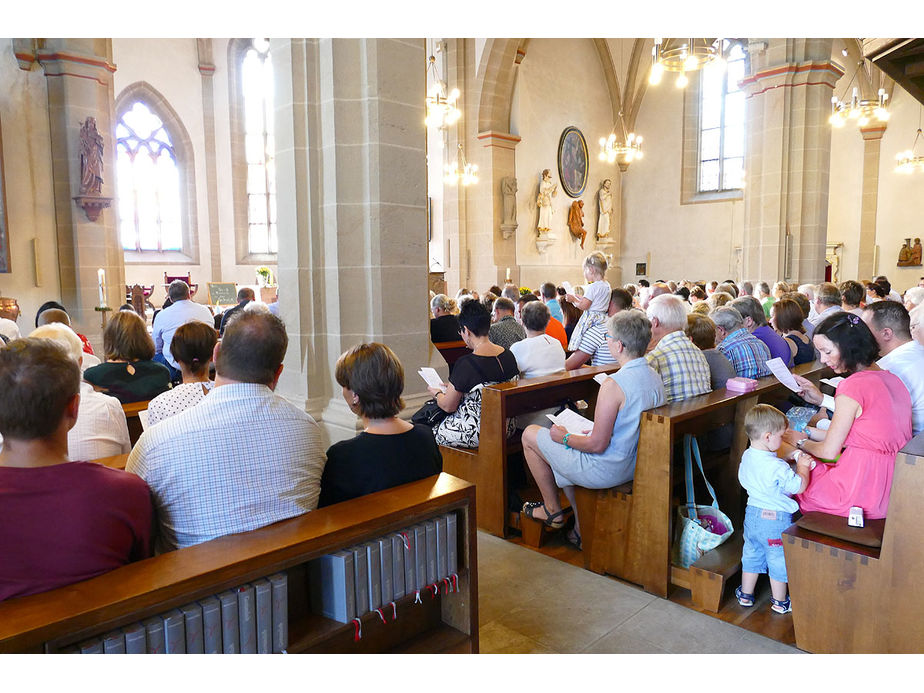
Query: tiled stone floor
x,y
530,603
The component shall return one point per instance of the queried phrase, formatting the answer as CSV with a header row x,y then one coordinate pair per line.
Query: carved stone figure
x,y
904,255
604,206
509,192
547,190
576,221
916,253
91,158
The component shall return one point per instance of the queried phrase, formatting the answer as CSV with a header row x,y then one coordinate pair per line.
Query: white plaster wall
x,y
30,211
901,197
559,83
845,196
655,221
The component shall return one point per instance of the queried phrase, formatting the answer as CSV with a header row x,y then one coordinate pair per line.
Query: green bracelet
x,y
565,440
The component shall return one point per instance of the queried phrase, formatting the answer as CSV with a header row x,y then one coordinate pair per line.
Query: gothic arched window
x,y
721,123
149,183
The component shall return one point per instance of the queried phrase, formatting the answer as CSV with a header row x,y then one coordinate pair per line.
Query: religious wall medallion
x,y
572,161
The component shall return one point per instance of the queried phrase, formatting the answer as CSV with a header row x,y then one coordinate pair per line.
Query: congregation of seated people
x,y
230,455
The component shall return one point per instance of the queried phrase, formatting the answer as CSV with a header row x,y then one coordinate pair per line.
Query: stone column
x,y
498,153
207,70
79,78
352,212
869,203
789,92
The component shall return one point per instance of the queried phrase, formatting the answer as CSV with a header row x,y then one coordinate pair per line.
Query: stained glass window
x,y
259,147
149,182
721,137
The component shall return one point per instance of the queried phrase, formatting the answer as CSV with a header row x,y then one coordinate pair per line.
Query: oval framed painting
x,y
572,161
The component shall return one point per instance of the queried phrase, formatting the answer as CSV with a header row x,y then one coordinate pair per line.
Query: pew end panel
x,y
55,620
851,598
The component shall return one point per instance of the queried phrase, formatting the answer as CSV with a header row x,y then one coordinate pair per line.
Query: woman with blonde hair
x,y
595,301
444,325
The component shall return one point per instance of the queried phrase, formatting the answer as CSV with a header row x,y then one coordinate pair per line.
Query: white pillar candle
x,y
101,275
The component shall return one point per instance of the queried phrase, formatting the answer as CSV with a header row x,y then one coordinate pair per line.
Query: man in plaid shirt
x,y
240,459
682,366
746,352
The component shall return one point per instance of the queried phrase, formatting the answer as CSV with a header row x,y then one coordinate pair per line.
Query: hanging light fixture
x,y
907,162
861,110
683,56
441,107
462,172
622,150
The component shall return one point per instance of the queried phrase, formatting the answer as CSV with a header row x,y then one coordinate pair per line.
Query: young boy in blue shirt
x,y
770,482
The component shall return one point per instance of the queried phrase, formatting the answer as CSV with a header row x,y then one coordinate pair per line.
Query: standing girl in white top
x,y
594,302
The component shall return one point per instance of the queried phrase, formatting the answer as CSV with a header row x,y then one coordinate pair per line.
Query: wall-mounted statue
x,y
547,190
910,256
91,158
916,253
576,221
509,193
604,206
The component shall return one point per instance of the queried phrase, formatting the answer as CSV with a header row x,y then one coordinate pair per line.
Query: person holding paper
x,y
388,451
604,456
871,423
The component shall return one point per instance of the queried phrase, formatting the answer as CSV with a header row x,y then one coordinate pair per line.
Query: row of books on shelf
x,y
359,579
251,619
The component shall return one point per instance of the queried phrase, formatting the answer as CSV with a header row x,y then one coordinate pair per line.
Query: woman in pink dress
x,y
871,423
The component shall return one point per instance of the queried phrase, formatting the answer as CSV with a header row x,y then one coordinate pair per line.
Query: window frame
x,y
183,152
237,50
692,137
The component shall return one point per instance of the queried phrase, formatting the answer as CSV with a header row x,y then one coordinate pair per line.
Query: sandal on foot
x,y
574,539
780,607
744,599
553,520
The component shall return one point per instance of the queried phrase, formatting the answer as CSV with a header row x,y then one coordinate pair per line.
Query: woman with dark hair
x,y
389,451
128,373
461,397
572,316
192,346
786,318
54,305
871,423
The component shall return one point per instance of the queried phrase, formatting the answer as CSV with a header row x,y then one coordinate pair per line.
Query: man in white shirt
x,y
538,354
899,353
827,302
101,429
182,311
243,457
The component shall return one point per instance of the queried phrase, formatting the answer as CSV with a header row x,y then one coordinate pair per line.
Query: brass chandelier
x,y
623,151
907,162
683,56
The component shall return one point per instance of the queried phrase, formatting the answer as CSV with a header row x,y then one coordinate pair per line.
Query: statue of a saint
x,y
547,190
605,206
91,158
509,193
904,255
916,253
576,221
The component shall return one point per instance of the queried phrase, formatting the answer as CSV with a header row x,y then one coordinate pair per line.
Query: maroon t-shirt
x,y
67,523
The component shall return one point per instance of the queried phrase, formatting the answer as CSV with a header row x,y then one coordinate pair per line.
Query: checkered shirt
x,y
241,459
747,354
681,365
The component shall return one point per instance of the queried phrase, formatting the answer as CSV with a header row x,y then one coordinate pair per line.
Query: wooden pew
x,y
627,532
52,621
132,409
451,351
851,598
486,465
116,461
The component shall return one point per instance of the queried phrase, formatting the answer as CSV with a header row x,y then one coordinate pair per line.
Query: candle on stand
x,y
101,275
508,274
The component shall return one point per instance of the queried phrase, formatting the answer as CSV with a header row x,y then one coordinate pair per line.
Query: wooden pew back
x,y
51,621
132,411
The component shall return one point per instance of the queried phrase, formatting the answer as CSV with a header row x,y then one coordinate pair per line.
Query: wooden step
x,y
707,577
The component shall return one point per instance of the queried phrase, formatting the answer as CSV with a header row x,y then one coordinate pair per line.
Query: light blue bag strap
x,y
691,449
688,475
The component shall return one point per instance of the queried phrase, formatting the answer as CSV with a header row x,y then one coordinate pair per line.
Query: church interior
x,y
319,172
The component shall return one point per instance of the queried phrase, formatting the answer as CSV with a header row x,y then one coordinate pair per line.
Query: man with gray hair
x,y
682,366
914,297
755,322
745,351
180,312
827,302
505,330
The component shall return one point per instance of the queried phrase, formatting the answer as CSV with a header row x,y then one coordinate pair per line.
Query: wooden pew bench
x,y
628,531
486,465
132,417
853,598
53,621
451,351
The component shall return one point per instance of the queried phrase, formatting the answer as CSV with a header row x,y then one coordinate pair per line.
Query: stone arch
x,y
182,146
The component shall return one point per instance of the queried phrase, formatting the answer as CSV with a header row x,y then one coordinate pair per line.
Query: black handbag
x,y
429,414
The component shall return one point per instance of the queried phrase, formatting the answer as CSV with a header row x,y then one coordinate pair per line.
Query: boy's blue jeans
x,y
763,542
